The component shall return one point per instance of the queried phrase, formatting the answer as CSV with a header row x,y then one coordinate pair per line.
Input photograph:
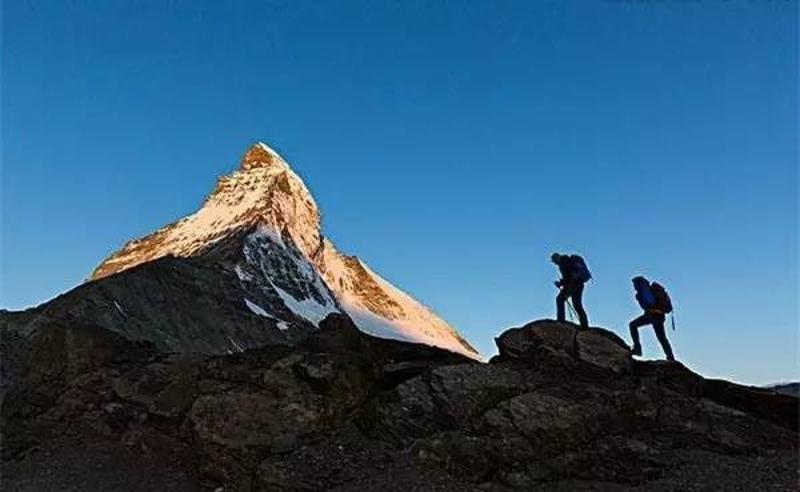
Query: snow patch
x,y
119,308
411,322
316,302
233,342
403,330
263,231
269,149
372,324
256,308
309,308
242,274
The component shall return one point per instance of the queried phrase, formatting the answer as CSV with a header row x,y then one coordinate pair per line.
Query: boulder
x,y
605,349
541,339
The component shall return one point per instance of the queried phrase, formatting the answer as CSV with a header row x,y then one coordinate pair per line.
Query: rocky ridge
x,y
558,409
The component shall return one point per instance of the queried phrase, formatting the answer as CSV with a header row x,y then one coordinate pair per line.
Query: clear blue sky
x,y
452,145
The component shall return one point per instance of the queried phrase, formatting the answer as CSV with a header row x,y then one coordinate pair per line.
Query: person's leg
x,y
661,334
561,298
577,303
634,327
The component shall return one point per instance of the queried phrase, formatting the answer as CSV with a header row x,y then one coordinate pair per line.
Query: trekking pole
x,y
573,313
672,319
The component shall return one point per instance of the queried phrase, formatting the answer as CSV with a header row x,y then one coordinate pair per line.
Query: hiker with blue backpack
x,y
574,274
655,302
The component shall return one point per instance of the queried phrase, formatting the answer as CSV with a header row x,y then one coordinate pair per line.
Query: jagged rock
x,y
605,349
345,411
595,345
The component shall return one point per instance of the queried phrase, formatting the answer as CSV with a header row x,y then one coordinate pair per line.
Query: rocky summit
x,y
258,239
557,409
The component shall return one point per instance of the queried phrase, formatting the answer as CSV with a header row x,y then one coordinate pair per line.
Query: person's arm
x,y
566,273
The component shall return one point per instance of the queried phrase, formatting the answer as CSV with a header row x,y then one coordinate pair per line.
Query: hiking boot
x,y
636,350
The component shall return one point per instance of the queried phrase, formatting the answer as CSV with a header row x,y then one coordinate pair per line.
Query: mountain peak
x,y
288,253
261,155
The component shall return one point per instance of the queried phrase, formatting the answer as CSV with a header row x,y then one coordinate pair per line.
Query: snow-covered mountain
x,y
262,224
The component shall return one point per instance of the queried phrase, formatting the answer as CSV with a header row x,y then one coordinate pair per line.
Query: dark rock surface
x,y
558,409
594,345
178,304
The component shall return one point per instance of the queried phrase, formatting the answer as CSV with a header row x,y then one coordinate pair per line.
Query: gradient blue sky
x,y
452,145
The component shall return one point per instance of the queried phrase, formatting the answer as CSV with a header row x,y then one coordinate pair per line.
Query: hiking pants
x,y
657,320
573,290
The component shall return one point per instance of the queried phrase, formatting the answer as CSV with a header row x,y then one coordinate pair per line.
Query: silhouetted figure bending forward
x,y
574,274
655,302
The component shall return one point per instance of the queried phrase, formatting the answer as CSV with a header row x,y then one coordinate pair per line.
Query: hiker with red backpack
x,y
655,302
574,274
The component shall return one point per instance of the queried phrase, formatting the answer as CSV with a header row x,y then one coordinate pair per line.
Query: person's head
x,y
556,258
639,281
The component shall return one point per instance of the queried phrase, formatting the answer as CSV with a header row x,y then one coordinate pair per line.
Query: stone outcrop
x,y
557,409
594,345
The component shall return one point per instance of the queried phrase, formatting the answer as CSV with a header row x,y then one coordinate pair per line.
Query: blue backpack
x,y
645,296
580,271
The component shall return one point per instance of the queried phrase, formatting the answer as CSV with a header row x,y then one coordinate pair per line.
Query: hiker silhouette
x,y
574,274
655,302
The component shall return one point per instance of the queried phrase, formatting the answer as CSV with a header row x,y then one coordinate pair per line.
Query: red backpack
x,y
663,302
